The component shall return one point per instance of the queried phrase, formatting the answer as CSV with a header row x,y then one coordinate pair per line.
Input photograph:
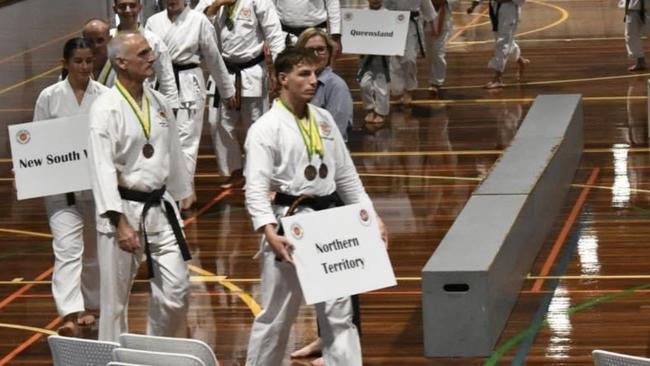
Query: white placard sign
x,y
338,252
50,157
374,32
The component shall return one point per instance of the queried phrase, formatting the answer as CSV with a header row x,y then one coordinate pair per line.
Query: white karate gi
x,y
505,47
276,158
75,282
191,39
373,83
254,22
164,74
437,46
635,28
309,13
403,69
115,153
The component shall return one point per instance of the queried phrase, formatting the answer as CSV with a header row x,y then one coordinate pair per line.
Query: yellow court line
x,y
26,232
244,296
27,81
26,328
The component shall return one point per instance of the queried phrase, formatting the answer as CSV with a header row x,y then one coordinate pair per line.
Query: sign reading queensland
x,y
374,32
338,252
50,157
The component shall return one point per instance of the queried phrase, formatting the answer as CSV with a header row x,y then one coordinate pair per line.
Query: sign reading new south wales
x,y
338,252
50,156
374,32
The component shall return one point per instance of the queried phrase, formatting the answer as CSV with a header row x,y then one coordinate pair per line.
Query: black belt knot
x,y
236,68
297,31
316,203
178,68
151,199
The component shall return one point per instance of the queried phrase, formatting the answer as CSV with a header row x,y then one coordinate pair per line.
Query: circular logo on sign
x,y
296,231
400,18
347,16
364,216
23,136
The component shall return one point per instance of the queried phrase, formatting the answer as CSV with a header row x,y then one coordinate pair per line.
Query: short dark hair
x,y
292,56
70,47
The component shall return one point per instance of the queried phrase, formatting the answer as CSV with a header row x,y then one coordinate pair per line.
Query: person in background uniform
x,y
437,39
242,28
128,12
97,32
505,16
373,77
403,69
332,93
636,23
190,39
75,281
281,159
137,175
298,15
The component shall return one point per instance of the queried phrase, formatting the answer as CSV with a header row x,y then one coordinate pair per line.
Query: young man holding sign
x,y
295,151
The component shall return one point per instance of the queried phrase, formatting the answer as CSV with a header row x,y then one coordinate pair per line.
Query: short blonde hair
x,y
310,33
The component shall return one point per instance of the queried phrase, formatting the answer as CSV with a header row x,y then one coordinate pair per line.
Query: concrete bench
x,y
471,282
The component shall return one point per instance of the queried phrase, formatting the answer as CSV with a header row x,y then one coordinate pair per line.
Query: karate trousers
x,y
75,281
437,50
404,69
190,122
374,91
634,29
505,47
281,301
168,303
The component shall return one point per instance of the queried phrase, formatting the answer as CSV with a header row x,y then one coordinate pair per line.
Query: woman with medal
x,y
75,281
284,148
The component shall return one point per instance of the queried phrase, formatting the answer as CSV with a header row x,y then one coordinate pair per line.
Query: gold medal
x,y
310,172
147,150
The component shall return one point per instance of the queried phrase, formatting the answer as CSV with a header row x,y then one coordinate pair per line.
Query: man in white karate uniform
x,y
242,28
97,32
137,172
636,24
128,11
403,69
190,39
437,39
504,16
298,15
283,160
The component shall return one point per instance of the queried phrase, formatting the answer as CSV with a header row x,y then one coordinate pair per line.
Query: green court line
x,y
512,342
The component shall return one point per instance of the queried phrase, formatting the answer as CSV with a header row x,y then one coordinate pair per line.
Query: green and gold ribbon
x,y
230,13
309,132
105,73
143,114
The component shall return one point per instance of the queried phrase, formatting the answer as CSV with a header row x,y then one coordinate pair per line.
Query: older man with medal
x,y
137,174
296,153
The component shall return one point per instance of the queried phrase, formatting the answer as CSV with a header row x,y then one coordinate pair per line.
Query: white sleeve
x,y
179,183
269,20
165,74
42,108
258,173
101,154
213,60
333,8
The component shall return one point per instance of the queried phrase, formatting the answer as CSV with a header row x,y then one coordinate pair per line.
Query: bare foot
x,y
494,84
379,119
318,362
86,318
370,116
312,349
69,328
522,63
236,180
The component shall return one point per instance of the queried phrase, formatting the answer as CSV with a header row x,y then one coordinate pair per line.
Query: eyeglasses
x,y
318,50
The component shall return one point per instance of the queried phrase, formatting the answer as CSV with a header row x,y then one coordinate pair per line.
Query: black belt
x,y
316,203
69,197
150,199
178,68
236,68
494,16
297,31
413,17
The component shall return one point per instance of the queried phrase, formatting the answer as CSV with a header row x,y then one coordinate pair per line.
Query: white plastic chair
x,y
188,346
605,358
149,358
67,351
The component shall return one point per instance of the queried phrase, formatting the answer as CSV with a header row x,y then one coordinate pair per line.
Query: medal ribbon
x,y
143,115
106,71
231,10
310,135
